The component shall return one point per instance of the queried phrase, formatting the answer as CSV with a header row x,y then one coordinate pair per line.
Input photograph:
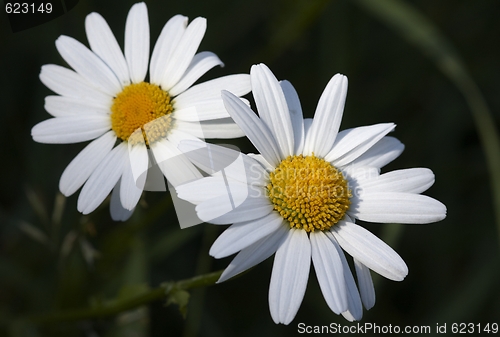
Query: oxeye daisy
x,y
299,198
133,122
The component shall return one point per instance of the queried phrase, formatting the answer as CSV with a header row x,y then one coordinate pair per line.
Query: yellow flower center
x,y
309,192
141,106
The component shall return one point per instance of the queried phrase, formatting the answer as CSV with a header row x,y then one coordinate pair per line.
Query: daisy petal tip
x,y
65,190
402,273
341,80
91,16
81,207
225,94
212,252
139,6
201,20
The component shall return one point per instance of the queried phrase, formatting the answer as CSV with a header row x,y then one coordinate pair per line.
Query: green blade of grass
x,y
419,31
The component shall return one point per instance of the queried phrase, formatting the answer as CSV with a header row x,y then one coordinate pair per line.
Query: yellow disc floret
x,y
309,192
141,106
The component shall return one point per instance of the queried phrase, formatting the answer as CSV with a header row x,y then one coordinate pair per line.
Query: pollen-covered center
x,y
309,192
141,106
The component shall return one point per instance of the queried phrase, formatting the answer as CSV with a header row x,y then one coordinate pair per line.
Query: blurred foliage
x,y
53,259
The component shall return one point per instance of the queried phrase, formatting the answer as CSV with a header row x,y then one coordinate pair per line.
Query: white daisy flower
x,y
107,98
300,196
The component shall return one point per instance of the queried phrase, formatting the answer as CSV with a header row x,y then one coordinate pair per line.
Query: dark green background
x,y
454,264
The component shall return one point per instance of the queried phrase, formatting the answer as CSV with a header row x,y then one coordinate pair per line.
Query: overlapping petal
x,y
352,143
103,43
255,253
366,288
200,64
66,82
88,65
414,180
296,117
329,270
272,107
289,276
102,180
82,166
169,38
258,132
327,117
181,56
238,84
369,250
243,234
382,153
134,176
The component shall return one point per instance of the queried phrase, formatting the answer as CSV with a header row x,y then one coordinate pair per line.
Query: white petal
x,y
104,44
370,250
355,311
221,129
414,180
212,158
272,107
200,64
243,234
238,85
209,109
228,208
177,136
352,143
134,176
70,129
255,253
268,167
117,212
289,276
174,165
168,40
202,189
257,132
82,166
88,64
205,189
329,270
365,282
206,110
295,109
354,307
380,154
137,42
60,106
397,207
307,127
327,117
103,179
66,82
182,55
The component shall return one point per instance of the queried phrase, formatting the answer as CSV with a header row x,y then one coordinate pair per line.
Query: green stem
x,y
118,306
